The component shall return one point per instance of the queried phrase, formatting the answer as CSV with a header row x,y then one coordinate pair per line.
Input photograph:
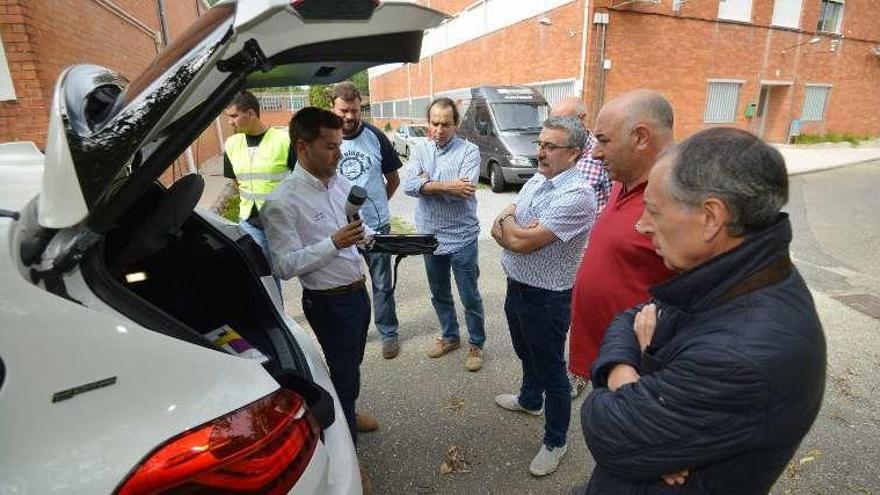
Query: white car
x,y
118,369
408,136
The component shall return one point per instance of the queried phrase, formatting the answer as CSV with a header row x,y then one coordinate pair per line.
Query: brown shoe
x,y
365,422
366,484
390,349
442,347
474,360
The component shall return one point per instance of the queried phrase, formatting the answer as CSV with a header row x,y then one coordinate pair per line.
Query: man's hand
x,y
678,478
349,235
644,324
620,375
461,188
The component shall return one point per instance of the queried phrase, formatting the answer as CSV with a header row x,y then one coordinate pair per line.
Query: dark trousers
x,y
340,322
538,320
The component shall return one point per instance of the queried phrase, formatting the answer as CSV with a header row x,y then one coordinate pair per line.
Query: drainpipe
x,y
583,67
600,19
163,22
134,21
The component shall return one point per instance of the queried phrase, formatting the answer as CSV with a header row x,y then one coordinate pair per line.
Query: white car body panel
x,y
61,203
89,443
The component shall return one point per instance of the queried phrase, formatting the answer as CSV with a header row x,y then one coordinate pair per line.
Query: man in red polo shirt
x,y
619,263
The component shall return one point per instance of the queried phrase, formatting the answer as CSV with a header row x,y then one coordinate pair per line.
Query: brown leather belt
x,y
342,289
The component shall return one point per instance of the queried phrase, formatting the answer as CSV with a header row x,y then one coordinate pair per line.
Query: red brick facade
x,y
42,38
677,53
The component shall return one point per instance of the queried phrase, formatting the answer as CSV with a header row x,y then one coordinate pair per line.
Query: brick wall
x,y
526,52
42,38
676,53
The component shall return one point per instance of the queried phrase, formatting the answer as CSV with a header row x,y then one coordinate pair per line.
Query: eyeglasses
x,y
546,146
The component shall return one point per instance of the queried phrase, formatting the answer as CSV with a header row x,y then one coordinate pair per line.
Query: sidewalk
x,y
798,159
806,159
217,187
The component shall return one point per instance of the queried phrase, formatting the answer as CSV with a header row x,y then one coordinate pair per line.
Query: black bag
x,y
402,245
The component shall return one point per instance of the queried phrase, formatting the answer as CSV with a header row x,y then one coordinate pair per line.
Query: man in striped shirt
x,y
443,174
543,234
597,176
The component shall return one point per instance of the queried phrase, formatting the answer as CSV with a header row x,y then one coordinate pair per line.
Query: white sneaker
x,y
547,460
511,403
578,384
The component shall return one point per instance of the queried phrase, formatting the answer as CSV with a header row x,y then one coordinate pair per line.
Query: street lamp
x,y
813,41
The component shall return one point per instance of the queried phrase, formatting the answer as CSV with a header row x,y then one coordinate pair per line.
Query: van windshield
x,y
519,116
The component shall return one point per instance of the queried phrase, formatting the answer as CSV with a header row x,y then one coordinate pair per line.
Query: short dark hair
x,y
245,101
443,102
346,91
307,123
738,168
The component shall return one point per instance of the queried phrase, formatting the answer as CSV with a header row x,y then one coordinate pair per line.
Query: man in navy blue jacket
x,y
711,387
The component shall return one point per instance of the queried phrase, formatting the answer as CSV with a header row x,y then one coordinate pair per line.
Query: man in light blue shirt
x,y
369,161
443,174
543,234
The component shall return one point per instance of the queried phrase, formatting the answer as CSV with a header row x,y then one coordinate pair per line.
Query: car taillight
x,y
263,447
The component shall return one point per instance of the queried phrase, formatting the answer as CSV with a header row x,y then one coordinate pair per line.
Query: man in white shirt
x,y
310,238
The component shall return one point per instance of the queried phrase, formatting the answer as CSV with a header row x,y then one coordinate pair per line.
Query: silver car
x,y
407,136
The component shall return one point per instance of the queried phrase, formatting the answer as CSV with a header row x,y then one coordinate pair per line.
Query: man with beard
x,y
369,161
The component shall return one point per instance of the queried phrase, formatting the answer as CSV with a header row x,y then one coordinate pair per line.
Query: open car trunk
x,y
174,273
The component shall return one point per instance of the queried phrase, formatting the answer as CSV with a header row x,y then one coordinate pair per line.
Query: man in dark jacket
x,y
711,387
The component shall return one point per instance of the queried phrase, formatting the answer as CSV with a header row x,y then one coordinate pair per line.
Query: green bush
x,y
832,137
388,127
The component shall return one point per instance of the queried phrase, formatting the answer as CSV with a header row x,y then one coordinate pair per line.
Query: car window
x,y
418,131
517,116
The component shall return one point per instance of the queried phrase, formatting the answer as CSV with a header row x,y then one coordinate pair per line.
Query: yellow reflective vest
x,y
259,172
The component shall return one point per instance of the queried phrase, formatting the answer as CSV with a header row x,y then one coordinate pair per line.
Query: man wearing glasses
x,y
443,174
543,234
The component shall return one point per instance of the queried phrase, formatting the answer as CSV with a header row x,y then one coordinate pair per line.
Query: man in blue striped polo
x,y
443,174
543,234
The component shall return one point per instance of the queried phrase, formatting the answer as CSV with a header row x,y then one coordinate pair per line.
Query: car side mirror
x,y
483,128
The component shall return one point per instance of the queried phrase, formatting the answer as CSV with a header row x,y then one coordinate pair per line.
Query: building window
x,y
830,16
735,10
815,97
376,109
7,89
787,13
419,107
721,100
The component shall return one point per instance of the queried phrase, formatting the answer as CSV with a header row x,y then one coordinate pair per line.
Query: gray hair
x,y
577,135
738,168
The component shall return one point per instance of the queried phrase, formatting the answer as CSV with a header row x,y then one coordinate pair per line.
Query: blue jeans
x,y
259,235
538,320
463,265
383,295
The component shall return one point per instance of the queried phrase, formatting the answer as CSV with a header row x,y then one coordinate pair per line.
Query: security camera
x,y
545,21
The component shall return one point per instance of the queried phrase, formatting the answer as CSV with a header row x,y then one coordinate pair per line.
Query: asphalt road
x,y
433,409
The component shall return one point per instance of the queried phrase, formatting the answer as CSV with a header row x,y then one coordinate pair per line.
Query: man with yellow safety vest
x,y
256,158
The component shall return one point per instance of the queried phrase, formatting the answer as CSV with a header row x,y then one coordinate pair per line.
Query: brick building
x,y
755,64
41,38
